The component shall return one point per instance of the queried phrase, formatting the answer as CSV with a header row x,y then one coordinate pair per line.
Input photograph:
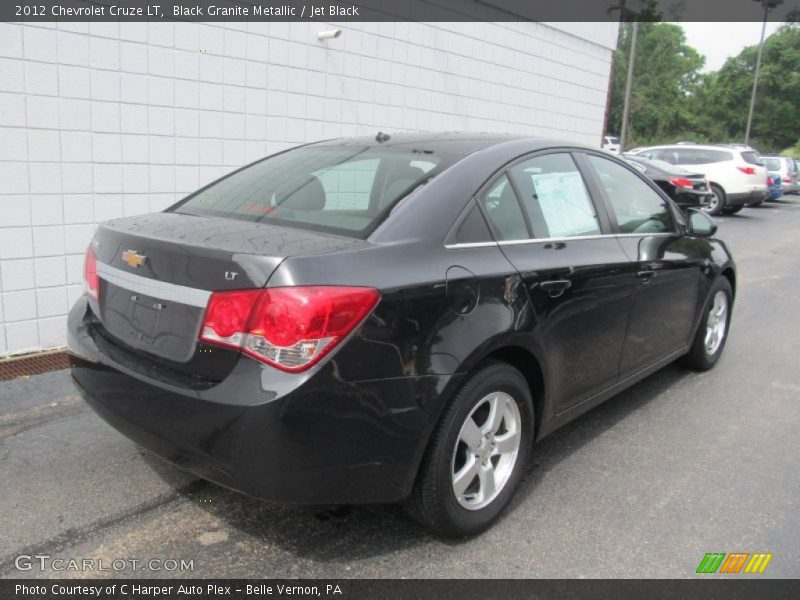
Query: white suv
x,y
736,175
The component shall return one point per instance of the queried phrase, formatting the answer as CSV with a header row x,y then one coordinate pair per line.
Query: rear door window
x,y
695,156
555,197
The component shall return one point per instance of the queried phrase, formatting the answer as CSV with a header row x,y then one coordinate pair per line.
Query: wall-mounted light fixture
x,y
329,34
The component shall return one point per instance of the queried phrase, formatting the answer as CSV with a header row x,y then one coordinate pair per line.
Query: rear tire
x,y
712,333
716,203
476,455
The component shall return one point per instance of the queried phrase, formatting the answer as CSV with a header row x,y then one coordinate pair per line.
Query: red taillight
x,y
787,180
290,328
681,182
90,274
747,170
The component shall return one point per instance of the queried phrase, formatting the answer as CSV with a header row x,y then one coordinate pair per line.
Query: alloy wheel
x,y
713,202
716,322
486,450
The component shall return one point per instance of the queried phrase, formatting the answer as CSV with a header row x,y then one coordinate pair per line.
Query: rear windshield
x,y
773,164
752,158
341,189
612,140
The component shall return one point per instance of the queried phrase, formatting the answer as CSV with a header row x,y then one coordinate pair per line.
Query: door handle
x,y
645,276
556,287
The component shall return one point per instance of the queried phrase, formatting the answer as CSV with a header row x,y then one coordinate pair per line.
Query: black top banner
x,y
399,10
407,589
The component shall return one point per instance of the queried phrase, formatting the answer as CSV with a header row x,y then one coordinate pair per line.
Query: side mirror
x,y
700,224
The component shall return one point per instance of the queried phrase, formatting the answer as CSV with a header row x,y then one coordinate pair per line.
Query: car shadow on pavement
x,y
342,533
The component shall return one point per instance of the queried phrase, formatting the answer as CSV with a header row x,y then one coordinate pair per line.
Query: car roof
x,y
460,142
693,147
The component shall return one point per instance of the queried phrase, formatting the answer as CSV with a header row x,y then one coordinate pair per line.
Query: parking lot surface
x,y
682,464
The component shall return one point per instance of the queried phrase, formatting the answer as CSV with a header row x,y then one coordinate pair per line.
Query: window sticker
x,y
565,204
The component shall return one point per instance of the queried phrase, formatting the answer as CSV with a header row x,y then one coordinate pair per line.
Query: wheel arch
x,y
716,183
526,363
730,275
522,358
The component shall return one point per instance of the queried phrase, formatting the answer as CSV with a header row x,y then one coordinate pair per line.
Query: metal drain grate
x,y
33,364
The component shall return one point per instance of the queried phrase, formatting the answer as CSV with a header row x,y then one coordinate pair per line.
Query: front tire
x,y
709,341
716,203
477,453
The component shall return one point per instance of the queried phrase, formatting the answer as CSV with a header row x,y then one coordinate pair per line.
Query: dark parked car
x,y
393,319
687,189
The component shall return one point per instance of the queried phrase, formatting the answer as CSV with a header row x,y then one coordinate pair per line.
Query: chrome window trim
x,y
162,290
555,239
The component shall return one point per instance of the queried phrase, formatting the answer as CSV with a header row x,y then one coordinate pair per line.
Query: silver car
x,y
790,176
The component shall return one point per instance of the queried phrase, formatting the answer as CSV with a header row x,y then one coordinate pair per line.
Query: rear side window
x,y
555,197
636,206
473,228
694,156
503,211
344,189
751,158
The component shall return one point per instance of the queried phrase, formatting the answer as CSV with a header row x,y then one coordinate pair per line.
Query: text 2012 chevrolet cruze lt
x,y
393,319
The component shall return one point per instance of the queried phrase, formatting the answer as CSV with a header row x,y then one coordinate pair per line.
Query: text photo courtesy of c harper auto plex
x,y
454,299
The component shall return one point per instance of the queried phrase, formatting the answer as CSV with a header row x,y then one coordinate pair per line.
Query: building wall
x,y
104,120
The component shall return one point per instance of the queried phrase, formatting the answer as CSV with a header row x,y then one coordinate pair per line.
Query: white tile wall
x,y
104,120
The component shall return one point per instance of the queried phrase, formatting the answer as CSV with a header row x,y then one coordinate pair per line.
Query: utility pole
x,y
767,5
628,85
627,14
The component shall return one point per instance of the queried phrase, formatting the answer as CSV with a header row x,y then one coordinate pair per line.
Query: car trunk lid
x,y
158,271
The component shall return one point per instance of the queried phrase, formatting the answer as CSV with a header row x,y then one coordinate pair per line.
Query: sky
x,y
719,41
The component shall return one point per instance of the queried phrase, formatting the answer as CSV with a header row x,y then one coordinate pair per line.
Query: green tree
x,y
665,77
722,101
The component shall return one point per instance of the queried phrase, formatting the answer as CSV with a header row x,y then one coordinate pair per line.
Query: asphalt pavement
x,y
682,464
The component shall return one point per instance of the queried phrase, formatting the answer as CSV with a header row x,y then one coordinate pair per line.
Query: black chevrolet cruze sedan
x,y
395,318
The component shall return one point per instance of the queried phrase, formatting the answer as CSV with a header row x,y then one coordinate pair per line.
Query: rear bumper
x,y
756,195
324,441
692,199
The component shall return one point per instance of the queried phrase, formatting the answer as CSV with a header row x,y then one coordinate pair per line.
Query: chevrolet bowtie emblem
x,y
133,258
